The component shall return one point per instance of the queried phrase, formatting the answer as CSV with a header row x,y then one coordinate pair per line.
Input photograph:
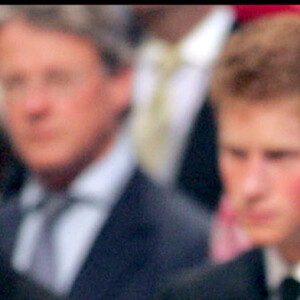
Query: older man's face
x,y
61,105
260,166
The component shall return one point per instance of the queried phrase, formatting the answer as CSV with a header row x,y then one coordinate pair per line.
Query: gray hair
x,y
105,25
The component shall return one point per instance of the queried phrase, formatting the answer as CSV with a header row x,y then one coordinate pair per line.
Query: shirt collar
x,y
105,179
100,183
277,268
208,35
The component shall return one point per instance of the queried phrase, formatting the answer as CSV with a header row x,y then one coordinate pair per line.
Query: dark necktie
x,y
289,289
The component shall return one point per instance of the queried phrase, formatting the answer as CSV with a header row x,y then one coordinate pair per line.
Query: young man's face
x,y
260,168
61,105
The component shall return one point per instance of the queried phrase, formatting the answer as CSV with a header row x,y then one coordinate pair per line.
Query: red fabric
x,y
248,12
228,239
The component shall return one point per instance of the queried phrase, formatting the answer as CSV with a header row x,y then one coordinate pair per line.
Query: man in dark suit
x,y
86,224
255,91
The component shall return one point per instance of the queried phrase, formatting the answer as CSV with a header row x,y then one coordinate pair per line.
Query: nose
x,y
255,182
36,100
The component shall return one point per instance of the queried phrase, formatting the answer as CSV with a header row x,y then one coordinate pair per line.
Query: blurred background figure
x,y
172,119
86,223
173,124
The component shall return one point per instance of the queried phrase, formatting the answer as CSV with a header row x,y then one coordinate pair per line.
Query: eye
x,y
12,83
281,155
238,153
235,152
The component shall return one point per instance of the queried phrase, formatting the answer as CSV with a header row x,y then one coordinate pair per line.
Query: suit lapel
x,y
198,172
259,274
122,245
10,219
249,278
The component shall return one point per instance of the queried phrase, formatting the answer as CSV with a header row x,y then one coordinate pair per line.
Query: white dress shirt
x,y
277,269
99,188
187,87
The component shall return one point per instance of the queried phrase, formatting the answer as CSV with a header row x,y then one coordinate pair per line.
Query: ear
x,y
121,89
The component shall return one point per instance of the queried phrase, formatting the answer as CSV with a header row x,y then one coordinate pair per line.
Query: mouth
x,y
40,136
258,218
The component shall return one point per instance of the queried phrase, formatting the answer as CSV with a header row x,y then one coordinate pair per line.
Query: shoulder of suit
x,y
210,271
204,280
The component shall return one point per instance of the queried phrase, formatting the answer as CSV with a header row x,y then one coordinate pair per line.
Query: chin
x,y
44,169
46,164
263,238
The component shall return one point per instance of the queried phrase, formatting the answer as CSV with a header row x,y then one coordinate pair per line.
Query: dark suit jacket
x,y
150,234
240,279
12,170
14,286
199,174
